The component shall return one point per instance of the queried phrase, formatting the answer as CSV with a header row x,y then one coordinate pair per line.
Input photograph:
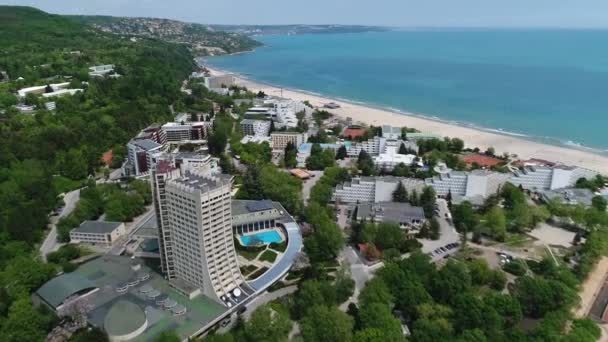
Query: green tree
x,y
428,199
266,324
341,153
496,223
599,203
389,235
322,323
538,296
464,217
290,155
365,163
379,316
375,291
400,194
24,323
72,164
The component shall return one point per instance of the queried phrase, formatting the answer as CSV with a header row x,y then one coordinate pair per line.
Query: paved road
x,y
360,273
50,243
448,233
309,183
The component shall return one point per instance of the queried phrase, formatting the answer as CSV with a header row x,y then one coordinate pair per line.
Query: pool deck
x,y
282,265
276,229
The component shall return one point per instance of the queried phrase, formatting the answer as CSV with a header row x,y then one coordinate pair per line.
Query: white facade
x,y
388,161
285,111
484,183
379,145
224,81
101,70
195,223
97,232
255,127
41,89
390,132
374,189
536,178
281,139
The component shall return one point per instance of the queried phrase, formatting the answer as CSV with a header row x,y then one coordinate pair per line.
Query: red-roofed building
x,y
481,160
107,157
353,132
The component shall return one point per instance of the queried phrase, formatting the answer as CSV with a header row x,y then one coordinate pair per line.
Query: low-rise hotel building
x,y
281,139
255,127
97,232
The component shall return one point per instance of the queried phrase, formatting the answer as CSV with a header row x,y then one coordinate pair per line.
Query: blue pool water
x,y
547,85
266,237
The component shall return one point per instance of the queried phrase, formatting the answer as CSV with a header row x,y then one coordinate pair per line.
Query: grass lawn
x,y
257,273
62,184
245,270
269,256
279,247
249,255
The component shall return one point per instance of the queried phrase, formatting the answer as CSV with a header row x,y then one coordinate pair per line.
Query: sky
x,y
399,13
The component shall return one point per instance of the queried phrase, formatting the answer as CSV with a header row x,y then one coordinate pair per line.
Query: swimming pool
x,y
264,237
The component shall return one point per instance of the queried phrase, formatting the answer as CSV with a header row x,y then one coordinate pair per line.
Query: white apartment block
x,y
536,178
388,161
374,189
454,182
482,183
285,111
379,145
281,139
224,81
255,127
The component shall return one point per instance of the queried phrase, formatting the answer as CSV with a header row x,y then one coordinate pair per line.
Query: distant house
x,y
101,70
97,232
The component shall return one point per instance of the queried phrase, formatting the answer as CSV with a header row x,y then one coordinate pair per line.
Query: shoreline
x,y
472,136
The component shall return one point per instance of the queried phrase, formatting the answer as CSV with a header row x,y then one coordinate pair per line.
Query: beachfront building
x,y
97,233
139,156
536,178
260,113
255,127
281,139
285,111
215,82
421,136
403,214
391,132
378,145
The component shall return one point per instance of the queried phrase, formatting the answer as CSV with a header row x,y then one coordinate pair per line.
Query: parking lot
x,y
449,239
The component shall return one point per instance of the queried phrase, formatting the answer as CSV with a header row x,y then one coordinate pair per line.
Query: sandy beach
x,y
524,149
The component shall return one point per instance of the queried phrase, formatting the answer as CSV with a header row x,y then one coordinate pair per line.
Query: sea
x,y
544,85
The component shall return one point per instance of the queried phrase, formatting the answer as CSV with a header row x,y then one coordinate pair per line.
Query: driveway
x,y
448,233
360,273
50,243
309,183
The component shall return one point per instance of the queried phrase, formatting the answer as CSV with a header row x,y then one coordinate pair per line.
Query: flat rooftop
x,y
97,227
107,273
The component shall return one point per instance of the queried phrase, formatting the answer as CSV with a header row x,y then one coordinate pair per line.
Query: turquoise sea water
x,y
548,85
265,237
